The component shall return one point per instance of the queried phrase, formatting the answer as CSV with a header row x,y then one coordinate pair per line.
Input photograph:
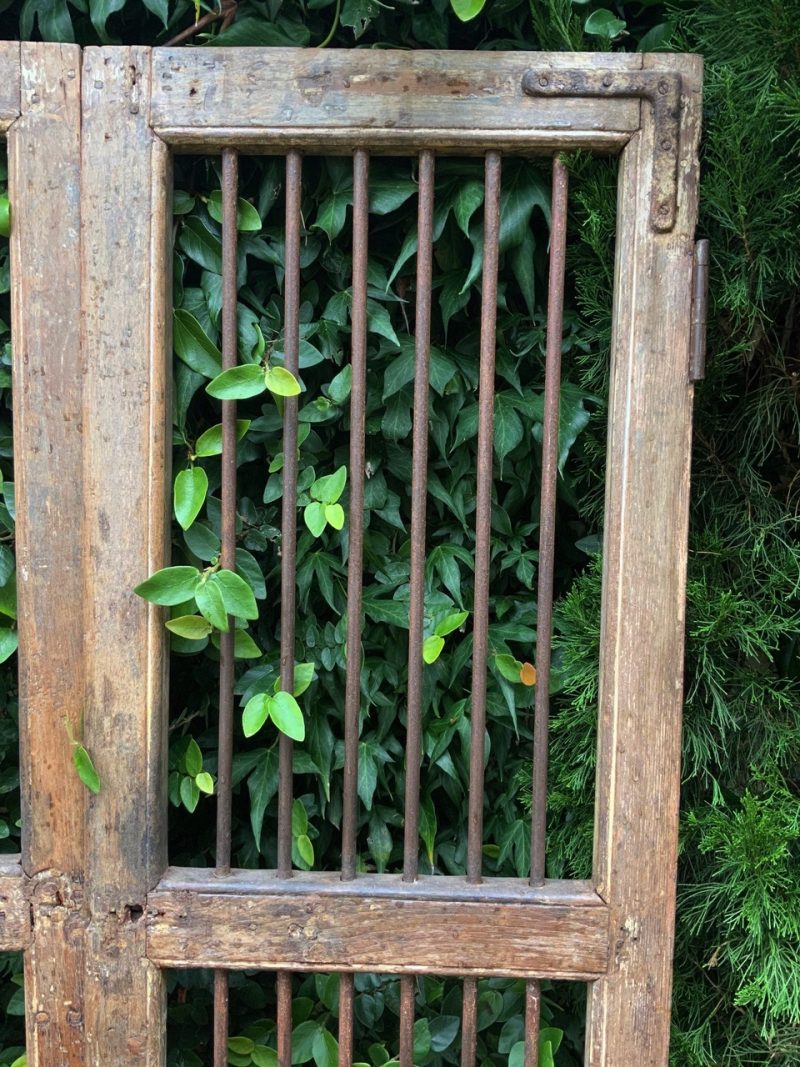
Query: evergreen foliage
x,y
737,987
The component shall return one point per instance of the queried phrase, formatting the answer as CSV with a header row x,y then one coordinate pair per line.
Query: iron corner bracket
x,y
662,89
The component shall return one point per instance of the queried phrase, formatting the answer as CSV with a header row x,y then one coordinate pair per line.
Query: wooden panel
x,y
641,688
9,83
388,98
377,924
15,912
44,179
126,262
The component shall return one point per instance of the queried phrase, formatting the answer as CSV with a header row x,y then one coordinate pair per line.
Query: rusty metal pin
x,y
284,1020
346,1020
547,515
533,1012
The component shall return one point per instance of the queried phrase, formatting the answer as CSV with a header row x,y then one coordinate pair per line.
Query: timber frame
x,y
92,901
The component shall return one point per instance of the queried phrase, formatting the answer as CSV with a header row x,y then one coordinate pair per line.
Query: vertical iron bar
x,y
284,1020
346,996
291,345
419,496
483,513
469,1023
547,524
483,535
533,1010
291,349
352,697
358,406
230,183
547,516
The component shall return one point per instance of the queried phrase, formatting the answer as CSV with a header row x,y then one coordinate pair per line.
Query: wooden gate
x,y
92,901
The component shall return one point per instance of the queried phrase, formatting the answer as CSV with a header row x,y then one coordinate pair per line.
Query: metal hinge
x,y
697,340
662,89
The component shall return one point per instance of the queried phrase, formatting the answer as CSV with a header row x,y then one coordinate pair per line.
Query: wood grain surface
x,y
44,189
387,99
641,668
126,215
377,924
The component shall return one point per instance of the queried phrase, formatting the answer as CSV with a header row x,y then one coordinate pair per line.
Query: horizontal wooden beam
x,y
9,83
15,912
397,99
206,140
438,925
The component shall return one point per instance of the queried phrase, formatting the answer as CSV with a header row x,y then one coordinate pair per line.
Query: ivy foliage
x,y
737,992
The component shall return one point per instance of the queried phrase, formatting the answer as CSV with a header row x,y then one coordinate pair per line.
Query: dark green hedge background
x,y
737,968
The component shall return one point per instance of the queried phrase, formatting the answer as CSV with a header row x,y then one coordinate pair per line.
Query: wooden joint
x,y
663,90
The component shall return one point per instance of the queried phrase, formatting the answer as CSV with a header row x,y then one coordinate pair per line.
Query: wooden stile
x,y
44,188
92,901
641,664
125,202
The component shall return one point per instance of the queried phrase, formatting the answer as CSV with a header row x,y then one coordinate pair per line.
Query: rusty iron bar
x,y
408,988
283,983
352,698
346,1000
291,345
358,407
533,1012
547,515
419,498
469,1022
230,184
483,513
291,353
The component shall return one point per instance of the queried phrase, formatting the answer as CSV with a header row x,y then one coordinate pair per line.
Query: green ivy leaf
x,y
325,1049
605,24
238,383
236,594
248,219
314,518
241,1046
329,488
211,604
452,622
432,648
467,9
190,793
509,667
170,586
9,641
5,217
210,442
85,768
193,346
281,382
334,514
192,627
263,1056
189,495
255,714
286,714
306,851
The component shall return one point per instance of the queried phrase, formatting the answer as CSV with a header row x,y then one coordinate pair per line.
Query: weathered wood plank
x,y
15,912
126,265
44,185
377,924
398,99
9,83
641,690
